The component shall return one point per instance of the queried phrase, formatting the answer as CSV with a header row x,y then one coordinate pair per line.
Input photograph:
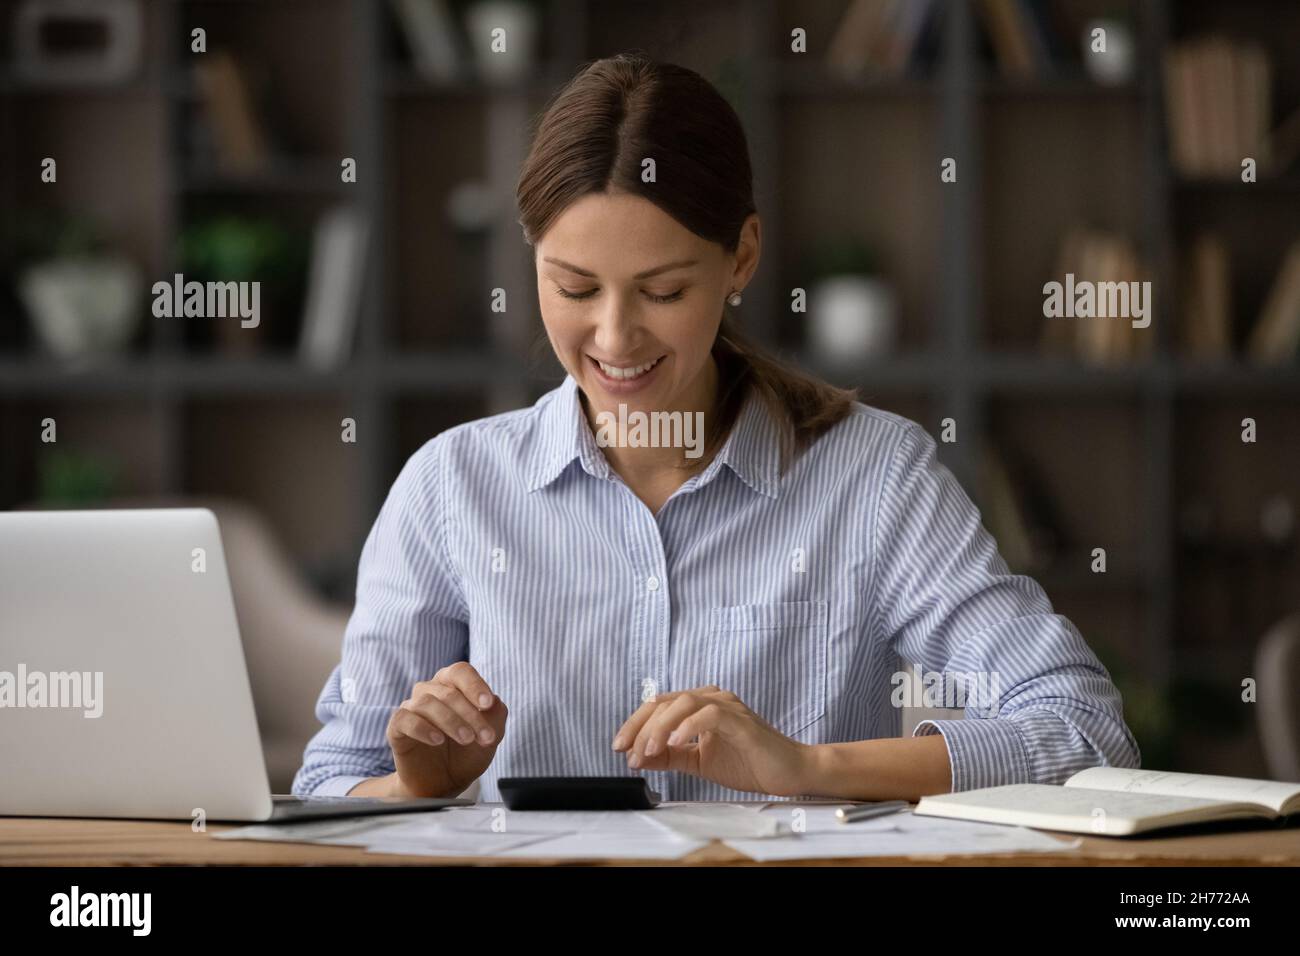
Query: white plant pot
x,y
82,306
852,317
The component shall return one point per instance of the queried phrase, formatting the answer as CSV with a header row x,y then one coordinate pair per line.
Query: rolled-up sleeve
x,y
409,621
1040,705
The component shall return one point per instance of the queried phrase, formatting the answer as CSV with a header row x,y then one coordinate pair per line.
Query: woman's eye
x,y
662,299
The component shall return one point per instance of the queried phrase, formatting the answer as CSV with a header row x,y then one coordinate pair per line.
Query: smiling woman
x,y
636,269
728,623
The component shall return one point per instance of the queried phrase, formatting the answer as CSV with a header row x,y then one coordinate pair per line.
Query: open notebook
x,y
1113,801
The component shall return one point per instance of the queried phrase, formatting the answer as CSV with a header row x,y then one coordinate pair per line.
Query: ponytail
x,y
804,406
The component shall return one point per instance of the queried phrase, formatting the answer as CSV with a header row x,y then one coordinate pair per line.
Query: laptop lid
x,y
123,688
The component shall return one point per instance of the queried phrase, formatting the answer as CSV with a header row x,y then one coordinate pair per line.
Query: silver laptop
x,y
123,689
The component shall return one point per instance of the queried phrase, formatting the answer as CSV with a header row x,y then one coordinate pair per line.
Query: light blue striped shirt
x,y
511,543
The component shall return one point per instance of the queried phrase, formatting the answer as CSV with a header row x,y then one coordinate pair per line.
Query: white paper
x,y
344,831
573,846
585,846
898,834
496,818
708,821
458,843
493,830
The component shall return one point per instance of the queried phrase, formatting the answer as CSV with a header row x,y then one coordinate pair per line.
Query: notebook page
x,y
1269,793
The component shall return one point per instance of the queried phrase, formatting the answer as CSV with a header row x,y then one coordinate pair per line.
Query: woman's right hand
x,y
427,733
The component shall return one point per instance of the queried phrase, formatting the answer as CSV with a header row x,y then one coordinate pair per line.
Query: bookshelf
x,y
1124,451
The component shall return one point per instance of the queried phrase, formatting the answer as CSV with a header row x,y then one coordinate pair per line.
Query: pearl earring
x,y
734,298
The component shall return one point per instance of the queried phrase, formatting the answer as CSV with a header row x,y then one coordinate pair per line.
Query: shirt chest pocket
x,y
773,657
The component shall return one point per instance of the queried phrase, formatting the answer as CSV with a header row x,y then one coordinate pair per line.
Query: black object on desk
x,y
577,793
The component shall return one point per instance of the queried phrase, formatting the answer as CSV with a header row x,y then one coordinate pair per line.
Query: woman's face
x,y
625,327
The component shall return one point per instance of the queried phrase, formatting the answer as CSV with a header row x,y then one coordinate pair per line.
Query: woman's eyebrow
x,y
640,275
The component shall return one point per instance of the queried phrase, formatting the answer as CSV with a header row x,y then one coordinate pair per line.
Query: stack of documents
x,y
761,831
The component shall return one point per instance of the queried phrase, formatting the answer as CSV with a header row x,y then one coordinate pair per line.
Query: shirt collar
x,y
563,434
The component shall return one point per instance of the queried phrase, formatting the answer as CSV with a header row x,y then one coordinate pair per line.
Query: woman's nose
x,y
616,328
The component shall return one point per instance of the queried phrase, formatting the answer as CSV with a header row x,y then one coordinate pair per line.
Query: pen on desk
x,y
866,811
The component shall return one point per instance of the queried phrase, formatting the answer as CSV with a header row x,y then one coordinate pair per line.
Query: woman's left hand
x,y
735,748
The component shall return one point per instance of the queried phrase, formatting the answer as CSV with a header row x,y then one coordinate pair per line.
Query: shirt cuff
x,y
984,752
336,786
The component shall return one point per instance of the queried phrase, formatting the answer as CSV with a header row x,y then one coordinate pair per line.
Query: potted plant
x,y
853,311
83,299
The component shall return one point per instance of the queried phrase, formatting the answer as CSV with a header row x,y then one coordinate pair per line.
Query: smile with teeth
x,y
624,374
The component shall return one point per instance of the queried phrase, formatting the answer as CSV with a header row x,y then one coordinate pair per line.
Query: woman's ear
x,y
748,251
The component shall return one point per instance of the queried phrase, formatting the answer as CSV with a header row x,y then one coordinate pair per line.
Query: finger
x,y
683,759
430,705
632,726
702,694
470,682
714,717
652,739
413,726
484,730
480,727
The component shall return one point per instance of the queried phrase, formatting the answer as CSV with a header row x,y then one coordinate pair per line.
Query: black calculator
x,y
577,793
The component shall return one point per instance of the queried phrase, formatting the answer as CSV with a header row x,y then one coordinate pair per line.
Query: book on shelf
x,y
1285,143
880,37
1019,54
1057,336
1219,105
1098,257
430,32
1017,512
334,284
239,137
1205,279
1117,801
1275,337
1028,38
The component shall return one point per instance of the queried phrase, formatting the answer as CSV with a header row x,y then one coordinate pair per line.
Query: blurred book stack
x,y
1275,338
1205,284
237,137
334,287
1218,98
880,37
431,34
1205,281
1100,257
1017,511
1025,36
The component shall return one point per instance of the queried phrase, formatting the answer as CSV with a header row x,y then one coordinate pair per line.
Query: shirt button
x,y
652,583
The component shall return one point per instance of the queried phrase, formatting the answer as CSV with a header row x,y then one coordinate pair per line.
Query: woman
x,y
725,617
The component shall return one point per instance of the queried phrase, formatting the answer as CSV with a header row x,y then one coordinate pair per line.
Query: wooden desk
x,y
66,842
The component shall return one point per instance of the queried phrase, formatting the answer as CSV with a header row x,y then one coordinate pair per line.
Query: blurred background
x,y
359,160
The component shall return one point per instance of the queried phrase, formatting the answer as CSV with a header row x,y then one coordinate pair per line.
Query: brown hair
x,y
592,137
